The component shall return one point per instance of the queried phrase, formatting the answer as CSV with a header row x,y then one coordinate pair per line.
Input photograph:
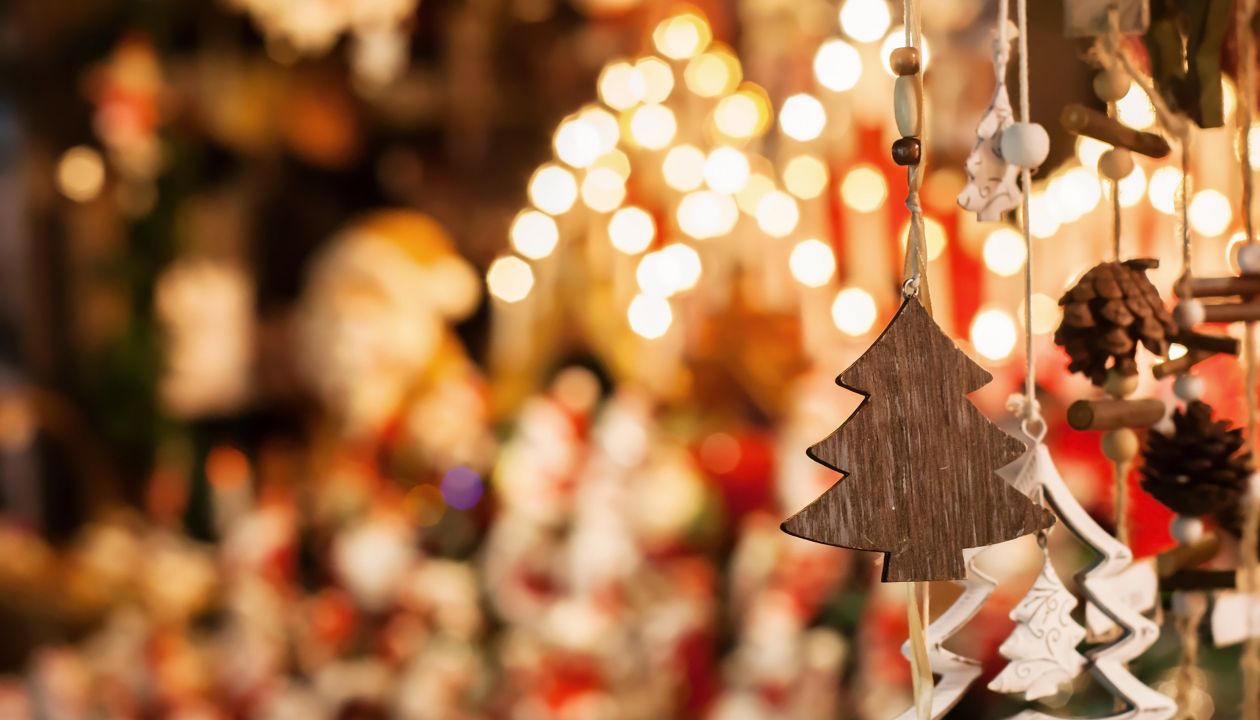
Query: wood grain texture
x,y
919,459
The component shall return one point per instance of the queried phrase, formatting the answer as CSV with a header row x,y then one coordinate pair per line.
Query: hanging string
x,y
915,273
1246,10
915,285
1032,421
1186,677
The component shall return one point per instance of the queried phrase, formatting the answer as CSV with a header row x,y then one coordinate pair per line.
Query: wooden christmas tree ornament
x,y
920,460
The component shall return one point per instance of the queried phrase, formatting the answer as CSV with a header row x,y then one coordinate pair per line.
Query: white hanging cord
x,y
1032,418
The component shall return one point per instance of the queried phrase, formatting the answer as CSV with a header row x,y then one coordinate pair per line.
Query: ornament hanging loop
x,y
910,288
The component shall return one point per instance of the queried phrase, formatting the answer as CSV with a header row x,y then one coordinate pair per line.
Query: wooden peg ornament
x,y
1080,120
919,459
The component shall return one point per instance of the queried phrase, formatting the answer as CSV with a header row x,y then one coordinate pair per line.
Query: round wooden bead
x,y
907,151
907,98
1111,85
1188,387
1025,144
904,61
1120,445
1119,385
1186,530
1189,313
1116,164
1249,258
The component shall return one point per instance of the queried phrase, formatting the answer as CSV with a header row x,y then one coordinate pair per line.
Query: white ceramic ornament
x,y
1042,648
993,183
1107,663
1026,145
1249,258
956,672
1111,84
1186,530
1188,387
1235,617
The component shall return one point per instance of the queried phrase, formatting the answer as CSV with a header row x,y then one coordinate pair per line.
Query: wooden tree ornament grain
x,y
920,460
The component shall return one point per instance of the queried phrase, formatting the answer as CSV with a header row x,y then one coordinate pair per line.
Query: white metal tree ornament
x,y
956,672
1042,648
1107,663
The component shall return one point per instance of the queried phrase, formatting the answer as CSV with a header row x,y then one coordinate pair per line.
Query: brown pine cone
x,y
1107,314
1201,468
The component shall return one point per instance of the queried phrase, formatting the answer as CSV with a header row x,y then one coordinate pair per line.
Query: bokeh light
x,y
864,189
837,65
631,230
462,488
80,173
682,36
603,189
510,279
777,214
683,167
1135,108
534,234
1163,189
993,334
653,126
812,263
1004,251
1210,213
853,311
553,189
707,214
713,73
865,20
577,142
649,316
726,170
802,117
620,86
805,176
658,79
743,114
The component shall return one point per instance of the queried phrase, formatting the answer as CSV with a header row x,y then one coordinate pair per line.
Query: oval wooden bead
x,y
904,61
907,99
1120,445
1111,85
1116,164
907,151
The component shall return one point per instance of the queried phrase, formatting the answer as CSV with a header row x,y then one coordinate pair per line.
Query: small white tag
x,y
1137,587
1088,18
1235,616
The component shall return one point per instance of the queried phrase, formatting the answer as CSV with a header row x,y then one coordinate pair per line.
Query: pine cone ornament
x,y
1201,468
1105,315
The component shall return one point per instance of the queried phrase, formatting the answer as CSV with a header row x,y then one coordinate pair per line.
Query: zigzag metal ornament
x,y
1108,663
957,672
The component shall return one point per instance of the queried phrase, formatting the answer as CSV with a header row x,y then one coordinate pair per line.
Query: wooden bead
x,y
1188,387
904,61
1249,258
1189,313
1111,85
1120,445
907,151
1025,144
1120,385
1186,530
1116,164
907,99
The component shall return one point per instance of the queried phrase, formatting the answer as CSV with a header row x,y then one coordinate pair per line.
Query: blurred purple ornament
x,y
461,487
